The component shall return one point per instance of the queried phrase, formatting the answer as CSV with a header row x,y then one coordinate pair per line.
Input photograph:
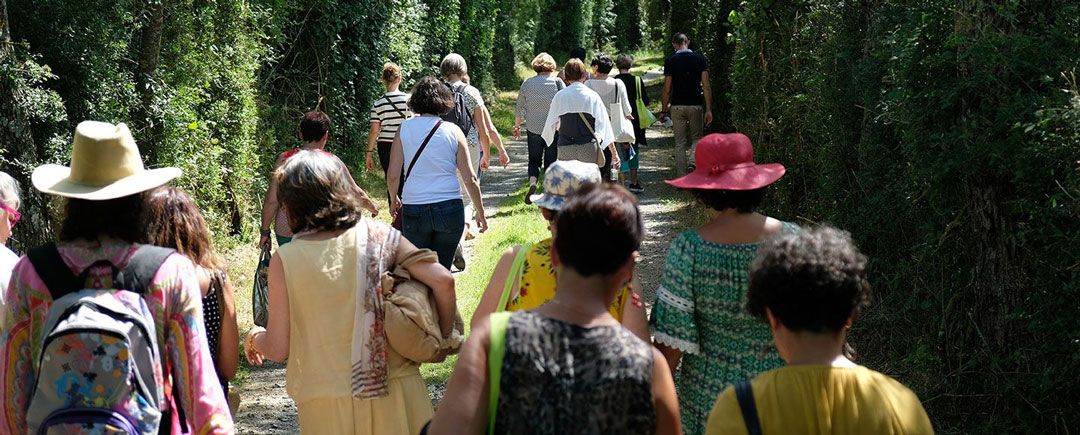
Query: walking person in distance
x,y
533,102
687,99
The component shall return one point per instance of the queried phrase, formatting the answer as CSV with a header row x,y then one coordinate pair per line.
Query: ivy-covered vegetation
x,y
946,137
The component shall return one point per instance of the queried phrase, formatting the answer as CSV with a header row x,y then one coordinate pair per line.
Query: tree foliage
x,y
944,136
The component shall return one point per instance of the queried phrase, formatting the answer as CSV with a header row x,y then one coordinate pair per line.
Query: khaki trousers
x,y
687,122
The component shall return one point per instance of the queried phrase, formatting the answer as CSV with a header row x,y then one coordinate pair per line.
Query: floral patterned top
x,y
700,311
174,300
537,284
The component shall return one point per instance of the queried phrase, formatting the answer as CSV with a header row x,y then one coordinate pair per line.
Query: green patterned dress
x,y
700,310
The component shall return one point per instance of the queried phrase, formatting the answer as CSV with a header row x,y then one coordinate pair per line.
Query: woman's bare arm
x,y
468,385
665,401
472,185
489,301
229,344
634,317
440,280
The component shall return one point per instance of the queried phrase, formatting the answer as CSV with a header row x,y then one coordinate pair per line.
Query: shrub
x,y
944,136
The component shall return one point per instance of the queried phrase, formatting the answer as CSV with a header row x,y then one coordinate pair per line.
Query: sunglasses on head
x,y
13,215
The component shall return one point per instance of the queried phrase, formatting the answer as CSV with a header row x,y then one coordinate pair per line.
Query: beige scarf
x,y
376,247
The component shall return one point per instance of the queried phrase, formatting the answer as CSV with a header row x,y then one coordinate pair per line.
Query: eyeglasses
x,y
13,215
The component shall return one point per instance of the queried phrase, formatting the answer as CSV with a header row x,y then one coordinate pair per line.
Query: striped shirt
x,y
534,99
390,111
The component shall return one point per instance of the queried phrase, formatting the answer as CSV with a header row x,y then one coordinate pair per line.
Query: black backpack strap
x,y
53,271
420,151
745,395
141,268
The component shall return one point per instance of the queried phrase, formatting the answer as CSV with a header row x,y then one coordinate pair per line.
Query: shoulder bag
x,y
645,116
623,128
496,351
405,176
591,152
745,395
513,278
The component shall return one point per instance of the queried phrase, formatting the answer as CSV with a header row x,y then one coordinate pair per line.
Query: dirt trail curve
x,y
267,409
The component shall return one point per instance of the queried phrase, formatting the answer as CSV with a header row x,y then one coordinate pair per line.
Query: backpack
x,y
460,114
100,368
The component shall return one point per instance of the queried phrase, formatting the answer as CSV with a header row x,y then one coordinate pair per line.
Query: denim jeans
x,y
436,226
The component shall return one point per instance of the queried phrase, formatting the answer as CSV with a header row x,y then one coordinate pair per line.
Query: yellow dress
x,y
824,400
321,278
537,284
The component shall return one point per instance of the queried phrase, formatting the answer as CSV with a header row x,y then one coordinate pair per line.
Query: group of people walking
x,y
747,334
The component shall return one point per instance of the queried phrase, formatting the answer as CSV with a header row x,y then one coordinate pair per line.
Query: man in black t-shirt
x,y
687,98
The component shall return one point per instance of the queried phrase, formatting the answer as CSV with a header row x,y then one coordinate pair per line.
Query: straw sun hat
x,y
105,164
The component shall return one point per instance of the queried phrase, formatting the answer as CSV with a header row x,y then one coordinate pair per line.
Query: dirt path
x,y
267,409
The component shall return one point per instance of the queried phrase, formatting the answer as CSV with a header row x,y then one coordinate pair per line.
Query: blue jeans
x,y
436,226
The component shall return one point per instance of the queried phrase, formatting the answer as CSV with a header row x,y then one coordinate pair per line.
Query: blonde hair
x,y
543,63
453,64
390,73
574,70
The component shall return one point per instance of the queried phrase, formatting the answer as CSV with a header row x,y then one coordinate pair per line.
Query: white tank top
x,y
434,178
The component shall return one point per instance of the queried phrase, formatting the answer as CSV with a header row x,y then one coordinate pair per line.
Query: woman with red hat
x,y
698,318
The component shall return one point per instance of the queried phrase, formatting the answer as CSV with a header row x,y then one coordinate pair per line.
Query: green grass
x,y
645,60
502,112
518,224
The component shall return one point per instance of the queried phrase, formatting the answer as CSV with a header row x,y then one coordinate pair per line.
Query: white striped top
x,y
390,111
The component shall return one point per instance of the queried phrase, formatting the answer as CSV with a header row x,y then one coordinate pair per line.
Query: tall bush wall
x,y
945,137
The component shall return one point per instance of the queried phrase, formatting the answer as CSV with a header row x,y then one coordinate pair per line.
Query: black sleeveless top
x,y
561,378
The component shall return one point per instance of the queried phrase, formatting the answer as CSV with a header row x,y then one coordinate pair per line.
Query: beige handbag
x,y
412,322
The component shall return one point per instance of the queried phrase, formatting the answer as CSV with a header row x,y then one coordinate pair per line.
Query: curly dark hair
x,y
431,96
122,218
814,280
744,201
314,125
317,192
598,229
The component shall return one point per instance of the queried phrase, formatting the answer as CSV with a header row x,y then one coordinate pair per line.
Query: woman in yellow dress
x,y
808,287
536,285
325,312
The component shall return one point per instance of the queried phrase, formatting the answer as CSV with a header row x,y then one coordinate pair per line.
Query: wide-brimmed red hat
x,y
726,162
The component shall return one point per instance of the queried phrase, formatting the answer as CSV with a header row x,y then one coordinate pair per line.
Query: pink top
x,y
174,299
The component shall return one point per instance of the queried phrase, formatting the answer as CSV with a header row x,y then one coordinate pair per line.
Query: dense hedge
x,y
945,136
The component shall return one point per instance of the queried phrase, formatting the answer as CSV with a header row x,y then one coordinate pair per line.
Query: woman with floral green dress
x,y
698,318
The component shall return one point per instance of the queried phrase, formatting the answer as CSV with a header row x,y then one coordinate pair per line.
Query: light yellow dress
x,y
816,399
321,281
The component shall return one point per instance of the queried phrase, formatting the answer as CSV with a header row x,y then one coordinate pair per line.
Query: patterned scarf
x,y
376,246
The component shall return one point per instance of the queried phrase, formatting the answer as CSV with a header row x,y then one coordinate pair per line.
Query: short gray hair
x,y
453,64
9,190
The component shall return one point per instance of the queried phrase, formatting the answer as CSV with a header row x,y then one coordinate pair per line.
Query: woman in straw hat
x,y
533,284
698,318
105,220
